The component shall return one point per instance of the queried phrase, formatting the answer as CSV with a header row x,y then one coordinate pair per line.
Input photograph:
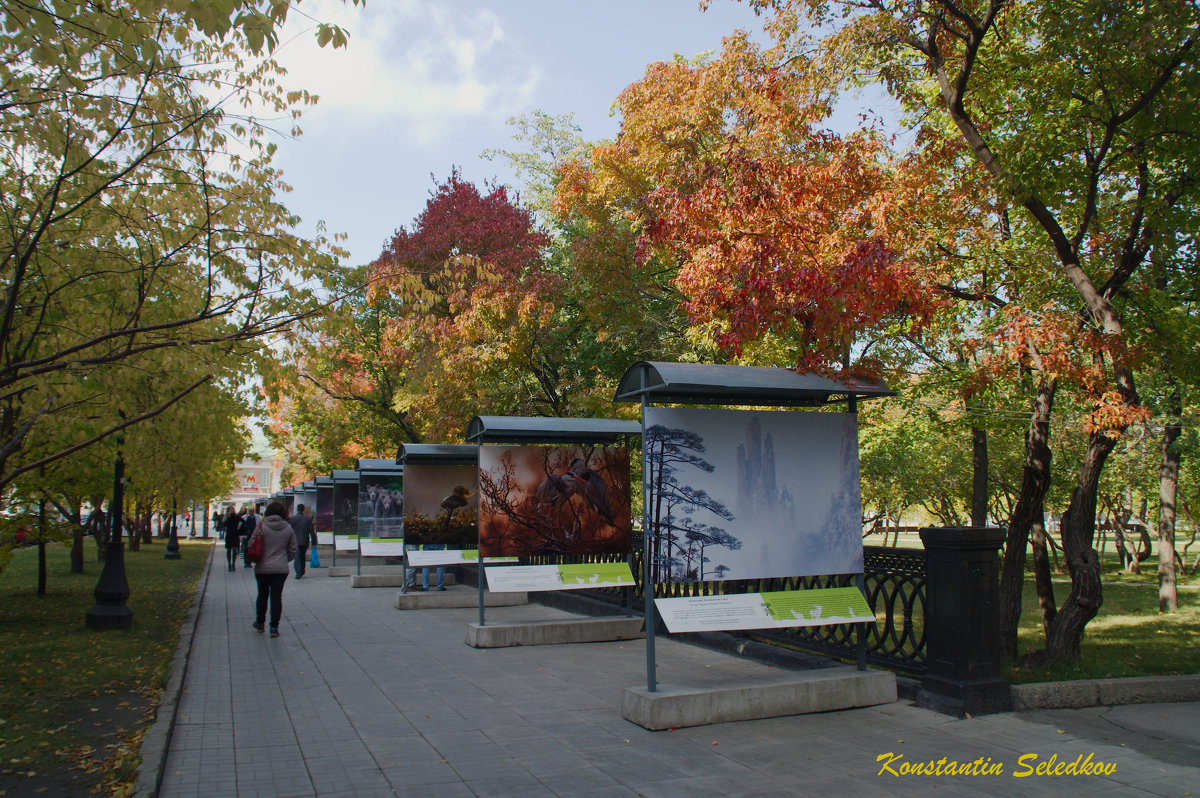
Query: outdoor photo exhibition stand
x,y
378,522
323,515
555,489
284,497
306,494
343,522
749,495
441,488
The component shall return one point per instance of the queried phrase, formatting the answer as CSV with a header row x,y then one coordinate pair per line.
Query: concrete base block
x,y
370,578
1106,692
380,570
797,693
962,697
548,633
457,598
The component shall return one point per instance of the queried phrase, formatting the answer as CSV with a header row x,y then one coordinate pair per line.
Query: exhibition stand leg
x,y
860,630
479,577
647,581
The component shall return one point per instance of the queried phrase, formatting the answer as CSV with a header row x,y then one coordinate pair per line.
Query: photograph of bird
x,y
576,480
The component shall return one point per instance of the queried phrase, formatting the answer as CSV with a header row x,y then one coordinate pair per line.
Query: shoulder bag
x,y
255,552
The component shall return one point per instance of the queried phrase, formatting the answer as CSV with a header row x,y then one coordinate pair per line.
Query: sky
x,y
427,85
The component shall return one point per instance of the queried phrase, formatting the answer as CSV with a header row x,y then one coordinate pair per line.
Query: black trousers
x,y
270,588
301,562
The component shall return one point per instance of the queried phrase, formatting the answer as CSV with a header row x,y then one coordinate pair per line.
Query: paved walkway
x,y
359,699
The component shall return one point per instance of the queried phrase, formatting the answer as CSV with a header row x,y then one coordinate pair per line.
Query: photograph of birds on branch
x,y
554,500
441,506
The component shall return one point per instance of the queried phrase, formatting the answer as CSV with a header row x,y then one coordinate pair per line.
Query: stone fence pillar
x,y
962,630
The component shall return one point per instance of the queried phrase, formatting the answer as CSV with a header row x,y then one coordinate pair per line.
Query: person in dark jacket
x,y
233,534
279,547
306,536
249,525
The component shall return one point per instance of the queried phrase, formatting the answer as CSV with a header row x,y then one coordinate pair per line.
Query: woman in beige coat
x,y
279,547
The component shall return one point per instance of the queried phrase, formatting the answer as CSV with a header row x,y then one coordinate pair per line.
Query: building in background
x,y
258,476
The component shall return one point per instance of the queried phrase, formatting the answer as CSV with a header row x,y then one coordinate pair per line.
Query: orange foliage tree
x,y
783,239
479,326
1096,163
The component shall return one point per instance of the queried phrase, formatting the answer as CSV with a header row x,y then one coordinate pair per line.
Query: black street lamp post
x,y
112,591
173,541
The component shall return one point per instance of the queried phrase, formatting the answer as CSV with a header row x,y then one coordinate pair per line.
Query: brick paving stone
x,y
356,698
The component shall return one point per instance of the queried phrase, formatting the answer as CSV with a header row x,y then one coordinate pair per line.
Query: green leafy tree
x,y
142,213
1102,163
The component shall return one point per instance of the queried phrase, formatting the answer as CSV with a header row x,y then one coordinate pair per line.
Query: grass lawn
x,y
1129,636
75,703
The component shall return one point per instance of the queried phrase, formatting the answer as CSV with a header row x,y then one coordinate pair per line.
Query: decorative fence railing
x,y
895,582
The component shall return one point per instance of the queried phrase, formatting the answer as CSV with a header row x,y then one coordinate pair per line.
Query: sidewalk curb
x,y
154,744
1106,692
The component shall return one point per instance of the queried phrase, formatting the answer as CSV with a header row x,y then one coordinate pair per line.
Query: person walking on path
x,y
302,525
279,547
249,526
233,533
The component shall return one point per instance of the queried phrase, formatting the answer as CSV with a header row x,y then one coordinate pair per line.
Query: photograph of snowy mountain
x,y
738,494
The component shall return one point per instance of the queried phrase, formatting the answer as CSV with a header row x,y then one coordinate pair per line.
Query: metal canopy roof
x,y
539,429
390,466
704,383
324,482
310,485
437,454
345,475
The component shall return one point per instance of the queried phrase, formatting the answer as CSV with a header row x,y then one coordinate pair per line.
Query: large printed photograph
x,y
309,499
554,500
738,494
441,506
345,508
323,514
380,505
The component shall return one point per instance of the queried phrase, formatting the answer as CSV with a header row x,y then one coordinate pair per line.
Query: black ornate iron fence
x,y
895,586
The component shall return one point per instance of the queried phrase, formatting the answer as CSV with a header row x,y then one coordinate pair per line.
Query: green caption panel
x,y
813,605
604,573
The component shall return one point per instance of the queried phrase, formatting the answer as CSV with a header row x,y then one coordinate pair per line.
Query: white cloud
x,y
419,66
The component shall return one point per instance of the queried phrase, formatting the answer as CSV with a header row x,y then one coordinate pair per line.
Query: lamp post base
x,y
108,616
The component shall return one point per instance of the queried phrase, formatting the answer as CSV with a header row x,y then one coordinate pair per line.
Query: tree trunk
x,y
1041,572
1078,529
41,573
1035,480
77,550
1118,521
131,525
1168,485
979,482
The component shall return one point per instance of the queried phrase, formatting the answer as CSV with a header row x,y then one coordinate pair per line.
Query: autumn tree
x,y
1101,161
332,396
779,232
481,325
142,210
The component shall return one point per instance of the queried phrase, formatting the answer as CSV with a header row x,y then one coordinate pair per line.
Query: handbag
x,y
314,561
254,552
